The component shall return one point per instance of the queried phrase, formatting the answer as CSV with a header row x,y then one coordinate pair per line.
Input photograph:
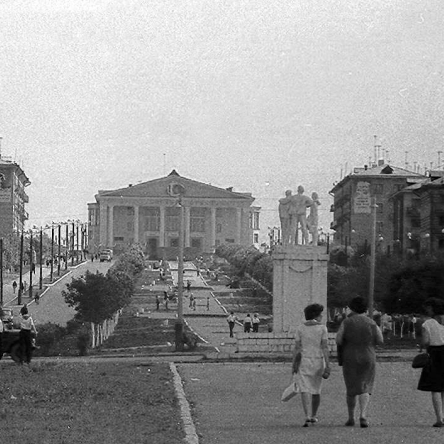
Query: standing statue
x,y
285,217
298,211
313,219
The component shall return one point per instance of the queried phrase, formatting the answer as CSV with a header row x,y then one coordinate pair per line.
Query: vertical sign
x,y
362,200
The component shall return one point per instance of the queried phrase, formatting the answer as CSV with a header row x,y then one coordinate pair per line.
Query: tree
x,y
96,297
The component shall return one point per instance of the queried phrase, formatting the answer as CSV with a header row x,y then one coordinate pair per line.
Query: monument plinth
x,y
299,279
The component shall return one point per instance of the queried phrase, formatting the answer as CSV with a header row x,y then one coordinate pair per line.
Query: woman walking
x,y
311,361
357,337
25,337
432,376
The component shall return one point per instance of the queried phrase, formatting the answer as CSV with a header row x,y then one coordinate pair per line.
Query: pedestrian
x,y
14,286
311,361
188,286
256,321
37,298
356,338
1,333
231,319
194,304
247,323
27,328
166,304
24,310
208,303
92,258
432,376
191,301
157,302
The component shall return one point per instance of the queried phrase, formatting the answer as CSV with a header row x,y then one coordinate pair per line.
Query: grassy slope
x,y
89,403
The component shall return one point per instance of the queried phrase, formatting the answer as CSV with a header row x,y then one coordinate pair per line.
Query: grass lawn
x,y
89,403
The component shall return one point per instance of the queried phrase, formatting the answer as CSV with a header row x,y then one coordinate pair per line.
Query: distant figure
x,y
312,220
285,218
247,324
157,302
92,258
24,310
231,319
37,298
26,327
14,286
256,321
191,300
298,210
188,286
208,303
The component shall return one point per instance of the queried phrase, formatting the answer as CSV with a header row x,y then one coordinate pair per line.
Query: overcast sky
x,y
260,95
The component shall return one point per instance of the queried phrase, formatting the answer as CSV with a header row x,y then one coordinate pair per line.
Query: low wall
x,y
272,342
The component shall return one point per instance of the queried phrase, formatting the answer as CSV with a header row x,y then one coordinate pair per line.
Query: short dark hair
x,y
312,311
358,304
436,304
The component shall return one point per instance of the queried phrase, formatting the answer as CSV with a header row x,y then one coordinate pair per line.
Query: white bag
x,y
289,392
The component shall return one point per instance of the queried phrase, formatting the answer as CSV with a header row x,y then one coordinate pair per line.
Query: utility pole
x,y
41,259
371,286
19,297
1,271
179,322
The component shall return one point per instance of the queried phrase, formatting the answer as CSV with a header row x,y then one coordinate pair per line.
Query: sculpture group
x,y
293,215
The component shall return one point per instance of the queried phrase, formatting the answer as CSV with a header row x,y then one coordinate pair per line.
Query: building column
x,y
136,223
110,242
238,225
213,228
103,227
187,226
162,227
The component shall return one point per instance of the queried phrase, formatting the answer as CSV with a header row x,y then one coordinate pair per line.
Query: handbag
x,y
421,360
290,392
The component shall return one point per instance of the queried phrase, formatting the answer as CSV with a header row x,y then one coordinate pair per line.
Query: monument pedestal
x,y
299,279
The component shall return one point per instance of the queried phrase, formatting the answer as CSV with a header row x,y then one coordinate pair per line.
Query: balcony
x,y
333,225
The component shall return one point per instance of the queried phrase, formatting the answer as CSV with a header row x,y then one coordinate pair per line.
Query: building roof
x,y
384,170
20,173
174,185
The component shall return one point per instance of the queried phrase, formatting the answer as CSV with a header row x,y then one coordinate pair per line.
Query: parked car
x,y
106,255
10,338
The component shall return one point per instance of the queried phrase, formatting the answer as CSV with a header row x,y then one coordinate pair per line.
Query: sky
x,y
258,95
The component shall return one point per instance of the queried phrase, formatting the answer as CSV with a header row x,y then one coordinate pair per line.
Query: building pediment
x,y
174,185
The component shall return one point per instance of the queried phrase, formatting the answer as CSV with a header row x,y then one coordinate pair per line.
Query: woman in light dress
x,y
311,362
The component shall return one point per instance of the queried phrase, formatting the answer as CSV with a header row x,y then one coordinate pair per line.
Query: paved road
x,y
240,403
52,307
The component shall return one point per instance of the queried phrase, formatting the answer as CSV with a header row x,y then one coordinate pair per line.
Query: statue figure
x,y
298,212
285,217
313,219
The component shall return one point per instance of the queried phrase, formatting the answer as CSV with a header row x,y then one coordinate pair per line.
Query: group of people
x,y
357,337
250,324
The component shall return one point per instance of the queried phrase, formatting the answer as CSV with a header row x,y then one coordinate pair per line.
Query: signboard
x,y
362,199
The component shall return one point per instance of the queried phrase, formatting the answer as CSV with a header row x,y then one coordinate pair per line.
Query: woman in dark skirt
x,y
432,376
358,335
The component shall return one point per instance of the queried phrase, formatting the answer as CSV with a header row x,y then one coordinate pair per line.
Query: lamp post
x,y
72,244
52,251
31,263
1,272
41,259
19,294
67,245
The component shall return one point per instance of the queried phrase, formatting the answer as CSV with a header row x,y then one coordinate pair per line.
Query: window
x,y
378,188
255,238
218,228
130,211
254,220
118,238
172,216
152,219
174,242
197,220
380,208
379,227
229,241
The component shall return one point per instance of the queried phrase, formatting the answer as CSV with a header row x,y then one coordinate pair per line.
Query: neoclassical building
x,y
149,214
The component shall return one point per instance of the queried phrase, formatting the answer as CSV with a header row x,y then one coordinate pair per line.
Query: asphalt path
x,y
52,306
240,403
